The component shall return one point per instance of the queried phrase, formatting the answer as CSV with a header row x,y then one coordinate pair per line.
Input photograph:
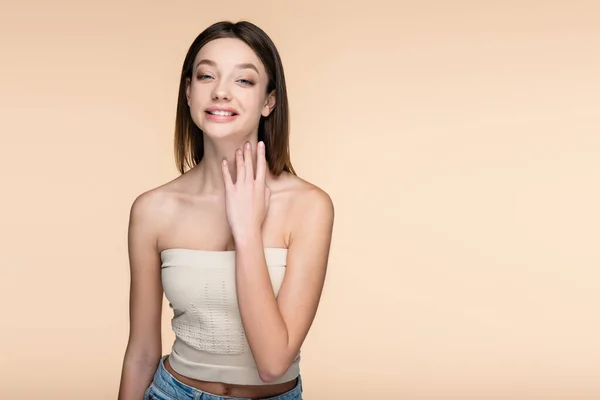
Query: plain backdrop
x,y
459,141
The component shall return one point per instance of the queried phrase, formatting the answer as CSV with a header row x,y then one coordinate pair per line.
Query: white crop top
x,y
210,343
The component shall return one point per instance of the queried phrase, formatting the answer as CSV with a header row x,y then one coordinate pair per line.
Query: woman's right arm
x,y
144,346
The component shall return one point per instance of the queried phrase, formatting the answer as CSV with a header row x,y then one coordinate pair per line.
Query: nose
x,y
221,91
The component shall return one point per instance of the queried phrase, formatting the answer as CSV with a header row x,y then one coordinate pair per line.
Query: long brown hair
x,y
272,130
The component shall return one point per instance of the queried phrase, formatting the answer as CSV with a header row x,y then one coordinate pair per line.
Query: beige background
x,y
458,139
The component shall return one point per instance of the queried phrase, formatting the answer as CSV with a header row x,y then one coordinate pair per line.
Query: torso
x,y
242,391
198,221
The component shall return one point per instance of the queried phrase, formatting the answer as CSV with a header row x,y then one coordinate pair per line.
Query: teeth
x,y
223,113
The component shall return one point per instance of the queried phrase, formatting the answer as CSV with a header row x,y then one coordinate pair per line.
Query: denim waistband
x,y
171,387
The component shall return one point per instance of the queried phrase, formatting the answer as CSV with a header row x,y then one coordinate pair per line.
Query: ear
x,y
188,89
269,105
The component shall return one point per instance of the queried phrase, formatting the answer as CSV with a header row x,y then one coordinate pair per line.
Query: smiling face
x,y
227,93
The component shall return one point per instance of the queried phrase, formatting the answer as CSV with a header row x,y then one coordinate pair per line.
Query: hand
x,y
247,201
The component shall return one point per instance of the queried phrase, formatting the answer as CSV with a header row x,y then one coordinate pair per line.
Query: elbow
x,y
272,373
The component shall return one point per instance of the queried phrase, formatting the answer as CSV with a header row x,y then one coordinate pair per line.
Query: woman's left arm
x,y
277,327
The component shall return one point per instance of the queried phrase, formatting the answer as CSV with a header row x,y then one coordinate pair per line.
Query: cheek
x,y
197,94
249,103
199,100
255,102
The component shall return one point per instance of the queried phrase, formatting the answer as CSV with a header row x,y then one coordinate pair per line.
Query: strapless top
x,y
210,343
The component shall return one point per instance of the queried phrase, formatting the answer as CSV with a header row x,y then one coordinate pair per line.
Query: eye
x,y
246,82
203,77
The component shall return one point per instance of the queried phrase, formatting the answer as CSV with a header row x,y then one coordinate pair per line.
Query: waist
x,y
227,390
231,369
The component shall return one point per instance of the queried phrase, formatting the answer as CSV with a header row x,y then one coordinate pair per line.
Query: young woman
x,y
238,242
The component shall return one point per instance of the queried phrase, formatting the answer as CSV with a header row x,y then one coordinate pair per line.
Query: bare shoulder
x,y
308,204
152,208
314,199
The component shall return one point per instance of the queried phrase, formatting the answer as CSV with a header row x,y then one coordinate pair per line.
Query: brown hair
x,y
272,130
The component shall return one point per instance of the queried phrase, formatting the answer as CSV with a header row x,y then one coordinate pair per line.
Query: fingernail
x,y
261,144
247,145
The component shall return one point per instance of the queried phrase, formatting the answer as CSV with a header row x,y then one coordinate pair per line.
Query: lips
x,y
221,111
221,114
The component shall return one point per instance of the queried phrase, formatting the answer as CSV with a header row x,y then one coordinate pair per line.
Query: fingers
x,y
261,163
241,168
248,161
244,161
226,175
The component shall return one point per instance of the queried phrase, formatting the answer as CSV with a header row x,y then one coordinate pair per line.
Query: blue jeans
x,y
166,387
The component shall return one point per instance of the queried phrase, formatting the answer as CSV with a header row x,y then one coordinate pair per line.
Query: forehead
x,y
229,52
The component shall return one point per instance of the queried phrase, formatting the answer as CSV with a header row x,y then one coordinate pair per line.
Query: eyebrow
x,y
241,66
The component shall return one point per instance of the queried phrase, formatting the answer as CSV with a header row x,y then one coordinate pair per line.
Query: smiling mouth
x,y
221,113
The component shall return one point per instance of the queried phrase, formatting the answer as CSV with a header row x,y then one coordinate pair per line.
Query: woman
x,y
238,242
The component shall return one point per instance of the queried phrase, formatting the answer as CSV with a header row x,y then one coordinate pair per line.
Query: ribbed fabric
x,y
210,342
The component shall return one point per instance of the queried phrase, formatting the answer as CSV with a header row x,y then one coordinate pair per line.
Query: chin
x,y
220,130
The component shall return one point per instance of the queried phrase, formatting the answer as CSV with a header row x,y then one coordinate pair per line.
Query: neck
x,y
210,173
